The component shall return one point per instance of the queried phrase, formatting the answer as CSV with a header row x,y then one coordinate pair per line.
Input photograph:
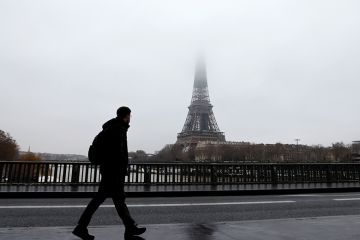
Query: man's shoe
x,y
134,230
82,233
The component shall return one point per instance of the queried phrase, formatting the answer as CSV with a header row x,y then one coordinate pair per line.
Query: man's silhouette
x,y
113,171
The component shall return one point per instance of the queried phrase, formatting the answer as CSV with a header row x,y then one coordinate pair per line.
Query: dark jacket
x,y
115,146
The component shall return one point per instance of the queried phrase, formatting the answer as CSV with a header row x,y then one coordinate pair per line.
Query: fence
x,y
80,173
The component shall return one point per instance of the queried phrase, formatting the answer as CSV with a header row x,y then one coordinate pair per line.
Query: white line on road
x,y
346,199
207,204
149,205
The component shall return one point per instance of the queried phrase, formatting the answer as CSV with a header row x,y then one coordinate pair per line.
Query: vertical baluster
x,y
204,180
181,174
20,173
222,174
157,174
69,173
13,173
28,171
10,176
96,174
152,169
56,172
253,174
63,173
17,172
46,172
195,173
3,171
174,176
6,172
136,168
37,174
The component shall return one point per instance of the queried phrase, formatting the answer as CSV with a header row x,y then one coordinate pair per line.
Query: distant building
x,y
355,150
214,151
217,151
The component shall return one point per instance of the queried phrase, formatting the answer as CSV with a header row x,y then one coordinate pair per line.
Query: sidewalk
x,y
320,228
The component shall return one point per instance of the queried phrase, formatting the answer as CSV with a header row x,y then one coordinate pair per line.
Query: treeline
x,y
262,153
9,151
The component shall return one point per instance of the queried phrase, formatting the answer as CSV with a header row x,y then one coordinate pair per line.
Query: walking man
x,y
113,170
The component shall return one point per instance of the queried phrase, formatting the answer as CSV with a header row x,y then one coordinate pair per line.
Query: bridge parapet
x,y
83,173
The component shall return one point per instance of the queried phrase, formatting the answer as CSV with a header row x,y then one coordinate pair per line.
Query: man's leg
x,y
81,229
118,198
93,206
131,227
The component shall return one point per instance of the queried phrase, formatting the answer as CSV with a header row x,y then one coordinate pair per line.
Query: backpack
x,y
96,150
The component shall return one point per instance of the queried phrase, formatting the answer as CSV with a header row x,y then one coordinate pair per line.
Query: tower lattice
x,y
200,124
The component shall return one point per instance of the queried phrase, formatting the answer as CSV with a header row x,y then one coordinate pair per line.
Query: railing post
x,y
214,178
2,175
75,173
328,174
46,172
274,175
147,174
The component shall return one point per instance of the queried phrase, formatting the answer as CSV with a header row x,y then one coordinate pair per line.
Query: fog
x,y
277,70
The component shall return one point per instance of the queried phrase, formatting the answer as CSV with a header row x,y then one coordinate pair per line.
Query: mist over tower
x,y
200,124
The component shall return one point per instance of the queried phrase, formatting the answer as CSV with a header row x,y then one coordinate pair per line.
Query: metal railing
x,y
82,173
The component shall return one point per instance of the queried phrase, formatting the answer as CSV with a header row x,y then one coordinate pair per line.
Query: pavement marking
x,y
150,205
346,199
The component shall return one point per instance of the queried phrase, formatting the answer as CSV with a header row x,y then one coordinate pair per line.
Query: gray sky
x,y
277,70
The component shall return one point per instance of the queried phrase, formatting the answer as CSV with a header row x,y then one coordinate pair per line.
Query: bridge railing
x,y
82,173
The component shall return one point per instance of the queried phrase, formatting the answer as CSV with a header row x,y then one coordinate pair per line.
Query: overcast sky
x,y
277,70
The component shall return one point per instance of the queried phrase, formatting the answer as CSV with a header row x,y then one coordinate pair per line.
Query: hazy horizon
x,y
277,70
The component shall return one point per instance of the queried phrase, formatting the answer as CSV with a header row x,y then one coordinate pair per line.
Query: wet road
x,y
199,210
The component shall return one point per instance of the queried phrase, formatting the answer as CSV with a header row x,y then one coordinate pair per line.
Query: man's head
x,y
123,113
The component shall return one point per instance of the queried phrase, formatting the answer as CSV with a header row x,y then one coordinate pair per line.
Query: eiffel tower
x,y
200,124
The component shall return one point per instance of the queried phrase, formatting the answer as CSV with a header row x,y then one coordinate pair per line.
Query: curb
x,y
179,193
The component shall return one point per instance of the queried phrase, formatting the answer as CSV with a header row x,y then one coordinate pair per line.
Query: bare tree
x,y
341,152
171,153
9,150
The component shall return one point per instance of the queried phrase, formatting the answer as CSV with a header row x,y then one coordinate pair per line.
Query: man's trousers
x,y
110,186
